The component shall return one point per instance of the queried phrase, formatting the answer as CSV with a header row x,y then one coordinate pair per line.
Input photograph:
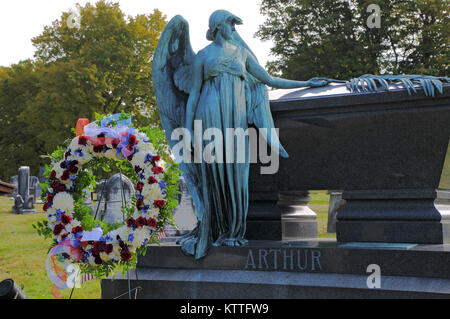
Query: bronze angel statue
x,y
223,86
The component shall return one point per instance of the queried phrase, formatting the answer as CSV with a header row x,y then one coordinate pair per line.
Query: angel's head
x,y
222,21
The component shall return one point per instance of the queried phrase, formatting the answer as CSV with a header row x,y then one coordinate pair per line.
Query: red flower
x,y
62,187
82,140
130,158
139,187
74,169
125,255
98,247
157,170
132,140
66,219
152,180
58,229
98,148
75,162
141,221
109,248
115,143
131,222
159,203
65,176
53,175
156,158
63,164
140,204
66,155
77,230
137,169
151,222
98,260
46,207
50,198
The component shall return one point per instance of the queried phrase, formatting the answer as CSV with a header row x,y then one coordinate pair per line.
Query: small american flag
x,y
86,278
162,234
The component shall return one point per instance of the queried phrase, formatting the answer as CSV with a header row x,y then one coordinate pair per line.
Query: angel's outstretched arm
x,y
258,72
194,95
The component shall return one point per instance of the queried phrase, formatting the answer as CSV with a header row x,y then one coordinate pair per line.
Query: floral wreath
x,y
99,250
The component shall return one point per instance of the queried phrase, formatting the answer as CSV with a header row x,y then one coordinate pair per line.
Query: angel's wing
x,y
171,69
258,106
171,73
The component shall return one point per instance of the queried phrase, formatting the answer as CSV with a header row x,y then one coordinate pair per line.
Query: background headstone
x,y
35,189
23,202
118,190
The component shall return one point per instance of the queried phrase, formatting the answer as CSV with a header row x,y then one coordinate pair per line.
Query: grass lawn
x,y
23,253
445,178
319,204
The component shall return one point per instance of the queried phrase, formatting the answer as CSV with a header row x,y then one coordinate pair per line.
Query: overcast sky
x,y
21,20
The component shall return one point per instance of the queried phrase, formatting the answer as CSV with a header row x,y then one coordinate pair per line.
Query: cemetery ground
x,y
23,253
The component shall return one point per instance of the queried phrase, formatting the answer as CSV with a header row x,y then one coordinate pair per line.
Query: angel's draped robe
x,y
222,105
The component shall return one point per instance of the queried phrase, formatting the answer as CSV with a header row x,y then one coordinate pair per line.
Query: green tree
x,y
104,66
18,146
106,62
332,37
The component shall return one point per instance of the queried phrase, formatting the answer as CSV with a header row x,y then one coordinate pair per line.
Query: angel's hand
x,y
317,82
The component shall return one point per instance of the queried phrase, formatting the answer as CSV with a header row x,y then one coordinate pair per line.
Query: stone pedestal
x,y
264,217
395,216
277,270
297,219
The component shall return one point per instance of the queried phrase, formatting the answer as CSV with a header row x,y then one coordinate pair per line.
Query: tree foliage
x,y
103,66
332,37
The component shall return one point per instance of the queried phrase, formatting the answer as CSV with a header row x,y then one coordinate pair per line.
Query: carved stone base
x,y
264,219
274,270
297,219
388,216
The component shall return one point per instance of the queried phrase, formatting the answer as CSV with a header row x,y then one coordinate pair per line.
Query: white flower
x,y
85,158
111,154
64,202
147,148
152,192
74,145
72,225
153,213
105,257
139,158
115,255
59,171
140,235
123,233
